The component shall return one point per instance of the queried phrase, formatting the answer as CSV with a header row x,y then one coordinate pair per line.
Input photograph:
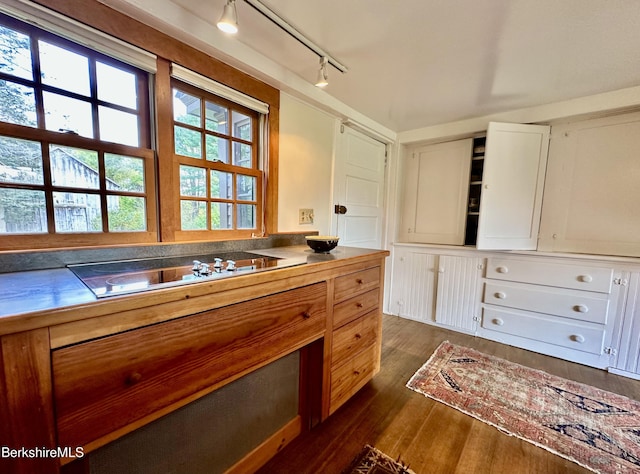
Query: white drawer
x,y
575,304
579,277
561,332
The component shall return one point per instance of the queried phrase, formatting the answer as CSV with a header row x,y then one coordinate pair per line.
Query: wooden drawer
x,y
351,376
352,284
353,337
559,331
107,384
581,305
355,307
579,277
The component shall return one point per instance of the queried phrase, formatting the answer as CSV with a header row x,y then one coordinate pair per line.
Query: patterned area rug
x,y
372,461
594,428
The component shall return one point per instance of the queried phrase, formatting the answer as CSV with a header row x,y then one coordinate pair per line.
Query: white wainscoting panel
x,y
459,288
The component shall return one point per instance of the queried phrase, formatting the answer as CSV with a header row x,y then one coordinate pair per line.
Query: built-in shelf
x,y
475,188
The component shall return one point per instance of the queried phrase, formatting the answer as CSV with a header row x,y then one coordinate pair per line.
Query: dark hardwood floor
x,y
429,436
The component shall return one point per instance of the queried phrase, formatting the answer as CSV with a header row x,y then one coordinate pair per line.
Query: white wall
x,y
307,138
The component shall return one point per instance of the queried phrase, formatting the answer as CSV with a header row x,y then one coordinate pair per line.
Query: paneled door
x,y
459,292
515,162
359,189
436,188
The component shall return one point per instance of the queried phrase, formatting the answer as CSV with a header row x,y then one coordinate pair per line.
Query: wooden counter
x,y
85,374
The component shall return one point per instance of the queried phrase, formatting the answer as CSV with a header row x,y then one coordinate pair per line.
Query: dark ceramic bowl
x,y
322,243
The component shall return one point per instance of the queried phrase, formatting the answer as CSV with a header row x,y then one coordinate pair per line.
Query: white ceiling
x,y
416,63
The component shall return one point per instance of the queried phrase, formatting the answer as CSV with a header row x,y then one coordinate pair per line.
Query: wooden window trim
x,y
235,170
161,212
62,240
170,50
38,133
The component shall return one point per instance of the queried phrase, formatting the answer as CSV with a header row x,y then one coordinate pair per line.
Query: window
x,y
75,155
216,150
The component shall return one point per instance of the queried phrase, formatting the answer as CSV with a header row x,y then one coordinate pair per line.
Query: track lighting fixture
x,y
228,22
322,73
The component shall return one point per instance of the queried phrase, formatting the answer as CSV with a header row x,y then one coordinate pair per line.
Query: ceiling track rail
x,y
295,33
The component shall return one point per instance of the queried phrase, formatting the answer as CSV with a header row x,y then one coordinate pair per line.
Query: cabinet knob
x,y
581,308
306,314
440,270
497,321
359,305
133,378
585,278
358,335
577,338
500,295
359,281
502,269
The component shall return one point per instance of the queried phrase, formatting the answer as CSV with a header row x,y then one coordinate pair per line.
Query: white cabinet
x,y
592,193
412,286
439,207
435,191
560,307
513,180
628,330
459,292
435,288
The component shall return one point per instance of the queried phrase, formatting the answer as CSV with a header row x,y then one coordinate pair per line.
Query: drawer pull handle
x,y
502,269
359,281
359,305
500,295
306,315
585,278
133,378
497,321
356,372
581,308
358,335
578,338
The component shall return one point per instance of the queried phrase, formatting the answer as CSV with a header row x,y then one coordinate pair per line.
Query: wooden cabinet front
x,y
355,307
357,333
356,282
351,376
104,385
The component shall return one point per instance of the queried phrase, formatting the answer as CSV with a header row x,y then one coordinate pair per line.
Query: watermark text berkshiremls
x,y
43,452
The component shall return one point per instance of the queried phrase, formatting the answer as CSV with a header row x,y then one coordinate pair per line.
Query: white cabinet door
x,y
412,293
628,330
436,188
459,292
514,169
592,195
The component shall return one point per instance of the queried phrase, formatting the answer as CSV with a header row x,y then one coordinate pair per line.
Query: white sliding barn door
x,y
359,189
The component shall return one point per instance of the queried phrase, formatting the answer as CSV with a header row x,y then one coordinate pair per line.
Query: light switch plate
x,y
305,216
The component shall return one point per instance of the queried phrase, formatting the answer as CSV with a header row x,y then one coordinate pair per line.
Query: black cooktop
x,y
132,276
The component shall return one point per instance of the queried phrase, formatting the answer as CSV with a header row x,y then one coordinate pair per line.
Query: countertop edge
x,y
89,306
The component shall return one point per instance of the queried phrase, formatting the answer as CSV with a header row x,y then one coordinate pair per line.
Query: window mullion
x,y
37,81
48,187
93,88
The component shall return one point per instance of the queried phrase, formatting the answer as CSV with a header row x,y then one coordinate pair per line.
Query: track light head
x,y
323,76
228,22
